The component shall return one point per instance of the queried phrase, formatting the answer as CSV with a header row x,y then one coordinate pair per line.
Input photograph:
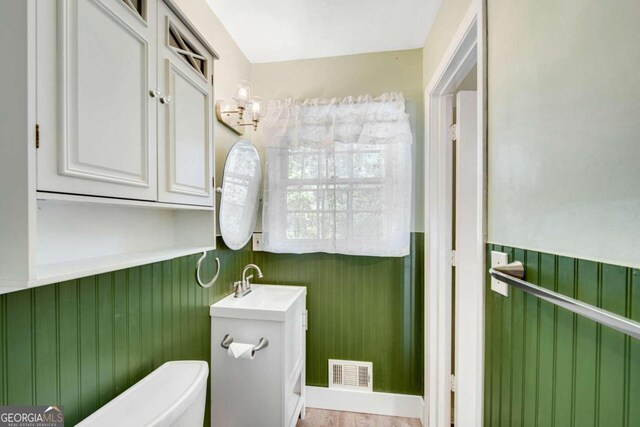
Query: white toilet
x,y
172,395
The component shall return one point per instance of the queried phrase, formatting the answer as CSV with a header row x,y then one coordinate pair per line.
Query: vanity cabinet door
x,y
185,126
97,103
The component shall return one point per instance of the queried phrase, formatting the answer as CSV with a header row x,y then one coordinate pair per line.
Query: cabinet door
x,y
185,126
103,98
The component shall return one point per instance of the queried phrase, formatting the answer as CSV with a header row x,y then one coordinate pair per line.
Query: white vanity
x,y
268,389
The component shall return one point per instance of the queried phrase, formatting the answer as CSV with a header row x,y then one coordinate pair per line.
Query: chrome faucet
x,y
244,286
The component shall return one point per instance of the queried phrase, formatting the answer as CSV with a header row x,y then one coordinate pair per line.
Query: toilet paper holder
x,y
228,339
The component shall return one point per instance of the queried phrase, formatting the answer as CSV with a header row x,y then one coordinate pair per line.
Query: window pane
x,y
335,197
368,165
295,166
368,198
303,198
368,226
328,198
341,165
334,225
341,197
328,225
341,226
310,166
302,226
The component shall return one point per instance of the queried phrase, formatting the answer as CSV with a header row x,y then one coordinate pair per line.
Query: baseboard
x,y
397,405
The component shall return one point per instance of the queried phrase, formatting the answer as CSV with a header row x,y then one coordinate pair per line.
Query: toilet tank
x,y
172,395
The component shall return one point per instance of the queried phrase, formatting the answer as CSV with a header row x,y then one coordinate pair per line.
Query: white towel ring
x,y
200,282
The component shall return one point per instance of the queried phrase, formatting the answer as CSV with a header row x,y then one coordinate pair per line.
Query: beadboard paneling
x,y
360,308
548,367
82,342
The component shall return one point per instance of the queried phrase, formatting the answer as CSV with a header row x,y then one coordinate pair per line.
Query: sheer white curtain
x,y
338,176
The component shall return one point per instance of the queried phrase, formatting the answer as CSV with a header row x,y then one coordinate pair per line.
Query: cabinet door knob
x,y
154,93
166,99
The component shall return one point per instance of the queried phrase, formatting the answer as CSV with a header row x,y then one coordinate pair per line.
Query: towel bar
x,y
513,273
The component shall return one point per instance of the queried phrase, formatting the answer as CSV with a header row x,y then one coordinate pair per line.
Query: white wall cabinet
x,y
185,116
107,144
96,66
124,102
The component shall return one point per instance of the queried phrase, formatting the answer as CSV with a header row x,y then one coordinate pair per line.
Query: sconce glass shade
x,y
243,93
257,108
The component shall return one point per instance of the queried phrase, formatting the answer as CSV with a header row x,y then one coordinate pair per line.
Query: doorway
x,y
455,216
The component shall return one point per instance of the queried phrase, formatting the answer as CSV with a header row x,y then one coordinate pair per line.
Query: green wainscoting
x,y
360,308
82,342
548,367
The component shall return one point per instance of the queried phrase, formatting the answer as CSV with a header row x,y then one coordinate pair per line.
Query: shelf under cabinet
x,y
53,273
79,236
62,271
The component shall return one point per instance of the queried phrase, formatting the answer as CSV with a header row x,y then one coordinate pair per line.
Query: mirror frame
x,y
242,141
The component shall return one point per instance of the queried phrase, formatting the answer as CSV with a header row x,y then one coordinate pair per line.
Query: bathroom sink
x,y
264,302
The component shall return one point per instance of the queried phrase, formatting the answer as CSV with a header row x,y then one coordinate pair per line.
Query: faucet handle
x,y
249,277
237,287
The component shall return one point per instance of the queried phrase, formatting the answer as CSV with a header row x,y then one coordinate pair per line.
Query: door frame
x,y
467,48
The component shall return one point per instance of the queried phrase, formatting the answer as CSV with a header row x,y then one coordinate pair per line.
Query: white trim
x,y
465,50
98,200
390,404
444,72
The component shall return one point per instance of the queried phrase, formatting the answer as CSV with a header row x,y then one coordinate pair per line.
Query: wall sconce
x,y
245,103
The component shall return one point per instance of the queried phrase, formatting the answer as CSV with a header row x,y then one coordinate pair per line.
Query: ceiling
x,y
284,30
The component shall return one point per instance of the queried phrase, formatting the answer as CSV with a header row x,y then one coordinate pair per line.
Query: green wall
x,y
548,367
360,308
82,342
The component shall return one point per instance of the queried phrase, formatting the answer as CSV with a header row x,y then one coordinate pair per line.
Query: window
x,y
345,194
335,193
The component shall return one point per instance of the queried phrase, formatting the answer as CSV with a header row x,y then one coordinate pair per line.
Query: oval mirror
x,y
240,198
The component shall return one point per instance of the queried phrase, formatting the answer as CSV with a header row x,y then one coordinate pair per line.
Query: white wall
x,y
564,127
564,103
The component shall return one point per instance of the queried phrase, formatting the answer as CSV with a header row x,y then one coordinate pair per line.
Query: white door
x,y
185,121
102,140
468,281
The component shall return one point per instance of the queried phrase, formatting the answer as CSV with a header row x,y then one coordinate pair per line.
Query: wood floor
x,y
323,417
